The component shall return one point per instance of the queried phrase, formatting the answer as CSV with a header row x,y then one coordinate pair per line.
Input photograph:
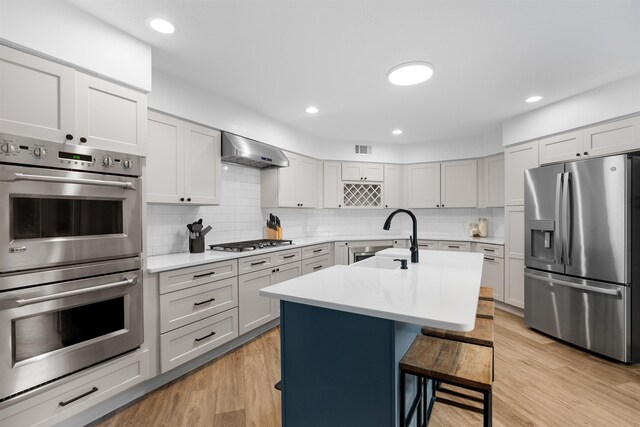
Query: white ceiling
x,y
278,57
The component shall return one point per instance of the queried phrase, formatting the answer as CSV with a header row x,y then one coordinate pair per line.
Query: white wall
x,y
603,103
59,30
460,148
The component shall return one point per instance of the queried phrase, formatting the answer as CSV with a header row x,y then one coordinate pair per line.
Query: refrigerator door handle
x,y
586,288
558,253
566,218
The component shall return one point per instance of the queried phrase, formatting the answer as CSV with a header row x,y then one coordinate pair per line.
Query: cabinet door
x,y
287,183
561,148
373,172
306,182
423,185
514,256
332,188
284,273
610,138
110,116
493,276
165,159
392,188
341,253
352,172
37,97
494,182
459,184
518,159
255,310
202,165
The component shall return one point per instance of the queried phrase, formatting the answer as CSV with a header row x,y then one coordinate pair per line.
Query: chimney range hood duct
x,y
244,151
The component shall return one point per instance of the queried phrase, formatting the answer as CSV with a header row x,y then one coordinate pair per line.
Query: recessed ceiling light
x,y
312,110
397,132
410,73
535,98
162,25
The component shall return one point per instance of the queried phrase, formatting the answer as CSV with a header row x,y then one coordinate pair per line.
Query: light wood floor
x,y
539,382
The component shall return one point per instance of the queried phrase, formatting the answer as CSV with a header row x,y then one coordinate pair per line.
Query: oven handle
x,y
125,282
43,178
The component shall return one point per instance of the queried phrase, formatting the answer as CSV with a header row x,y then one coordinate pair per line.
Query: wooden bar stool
x,y
463,365
486,293
486,309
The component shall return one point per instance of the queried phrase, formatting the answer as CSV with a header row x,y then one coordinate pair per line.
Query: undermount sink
x,y
383,262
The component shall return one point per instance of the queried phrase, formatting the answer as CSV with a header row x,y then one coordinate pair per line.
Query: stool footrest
x,y
459,394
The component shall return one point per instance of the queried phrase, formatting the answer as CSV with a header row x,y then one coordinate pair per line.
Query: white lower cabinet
x,y
454,246
341,253
188,342
79,392
428,245
492,268
514,256
255,310
316,264
284,273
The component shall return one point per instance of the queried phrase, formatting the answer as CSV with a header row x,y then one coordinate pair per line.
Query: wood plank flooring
x,y
539,382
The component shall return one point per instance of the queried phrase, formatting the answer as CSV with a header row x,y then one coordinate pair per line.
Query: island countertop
x,y
441,291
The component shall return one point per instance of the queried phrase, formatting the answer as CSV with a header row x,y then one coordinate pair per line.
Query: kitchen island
x,y
344,330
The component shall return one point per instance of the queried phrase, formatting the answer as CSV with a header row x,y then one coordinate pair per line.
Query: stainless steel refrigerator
x,y
582,254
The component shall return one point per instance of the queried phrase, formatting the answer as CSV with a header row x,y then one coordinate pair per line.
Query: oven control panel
x,y
33,152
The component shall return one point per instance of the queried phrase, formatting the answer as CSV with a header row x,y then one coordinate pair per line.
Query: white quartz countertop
x,y
159,263
440,291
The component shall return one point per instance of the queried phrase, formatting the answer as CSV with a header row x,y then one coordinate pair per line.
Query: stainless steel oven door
x,y
50,331
54,217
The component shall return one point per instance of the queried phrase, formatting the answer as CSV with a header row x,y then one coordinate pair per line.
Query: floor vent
x,y
363,149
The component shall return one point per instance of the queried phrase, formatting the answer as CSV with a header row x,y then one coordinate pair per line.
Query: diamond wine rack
x,y
362,195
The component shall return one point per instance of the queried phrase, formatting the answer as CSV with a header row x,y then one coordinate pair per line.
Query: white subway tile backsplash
x,y
239,217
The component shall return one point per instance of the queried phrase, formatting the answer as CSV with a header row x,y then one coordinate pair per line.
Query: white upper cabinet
x,y
423,185
602,140
560,148
459,184
37,97
45,100
110,116
492,184
517,159
392,190
183,164
332,189
362,172
293,186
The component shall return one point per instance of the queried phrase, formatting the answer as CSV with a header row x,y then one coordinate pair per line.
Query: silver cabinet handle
x,y
586,288
43,178
125,282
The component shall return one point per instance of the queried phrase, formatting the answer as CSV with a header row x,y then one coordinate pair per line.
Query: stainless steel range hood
x,y
244,151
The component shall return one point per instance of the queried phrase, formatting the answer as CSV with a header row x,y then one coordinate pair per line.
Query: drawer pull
x,y
205,337
197,276
258,263
489,259
317,250
93,390
204,302
317,267
288,256
454,247
489,250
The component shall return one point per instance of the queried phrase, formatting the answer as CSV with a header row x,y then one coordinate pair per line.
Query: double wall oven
x,y
70,264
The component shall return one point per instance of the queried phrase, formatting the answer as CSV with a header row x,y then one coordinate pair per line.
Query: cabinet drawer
x,y
427,244
189,305
316,250
454,246
316,264
102,382
287,256
489,250
256,262
187,277
189,342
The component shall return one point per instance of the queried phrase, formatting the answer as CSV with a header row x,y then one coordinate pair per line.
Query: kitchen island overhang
x,y
344,330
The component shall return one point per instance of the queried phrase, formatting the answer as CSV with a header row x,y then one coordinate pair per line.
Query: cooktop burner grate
x,y
249,245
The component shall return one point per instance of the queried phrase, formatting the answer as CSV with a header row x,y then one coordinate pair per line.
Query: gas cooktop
x,y
249,245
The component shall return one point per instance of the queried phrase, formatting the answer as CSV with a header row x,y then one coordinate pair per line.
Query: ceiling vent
x,y
363,149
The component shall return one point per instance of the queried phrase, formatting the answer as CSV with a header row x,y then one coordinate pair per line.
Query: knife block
x,y
272,234
196,246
